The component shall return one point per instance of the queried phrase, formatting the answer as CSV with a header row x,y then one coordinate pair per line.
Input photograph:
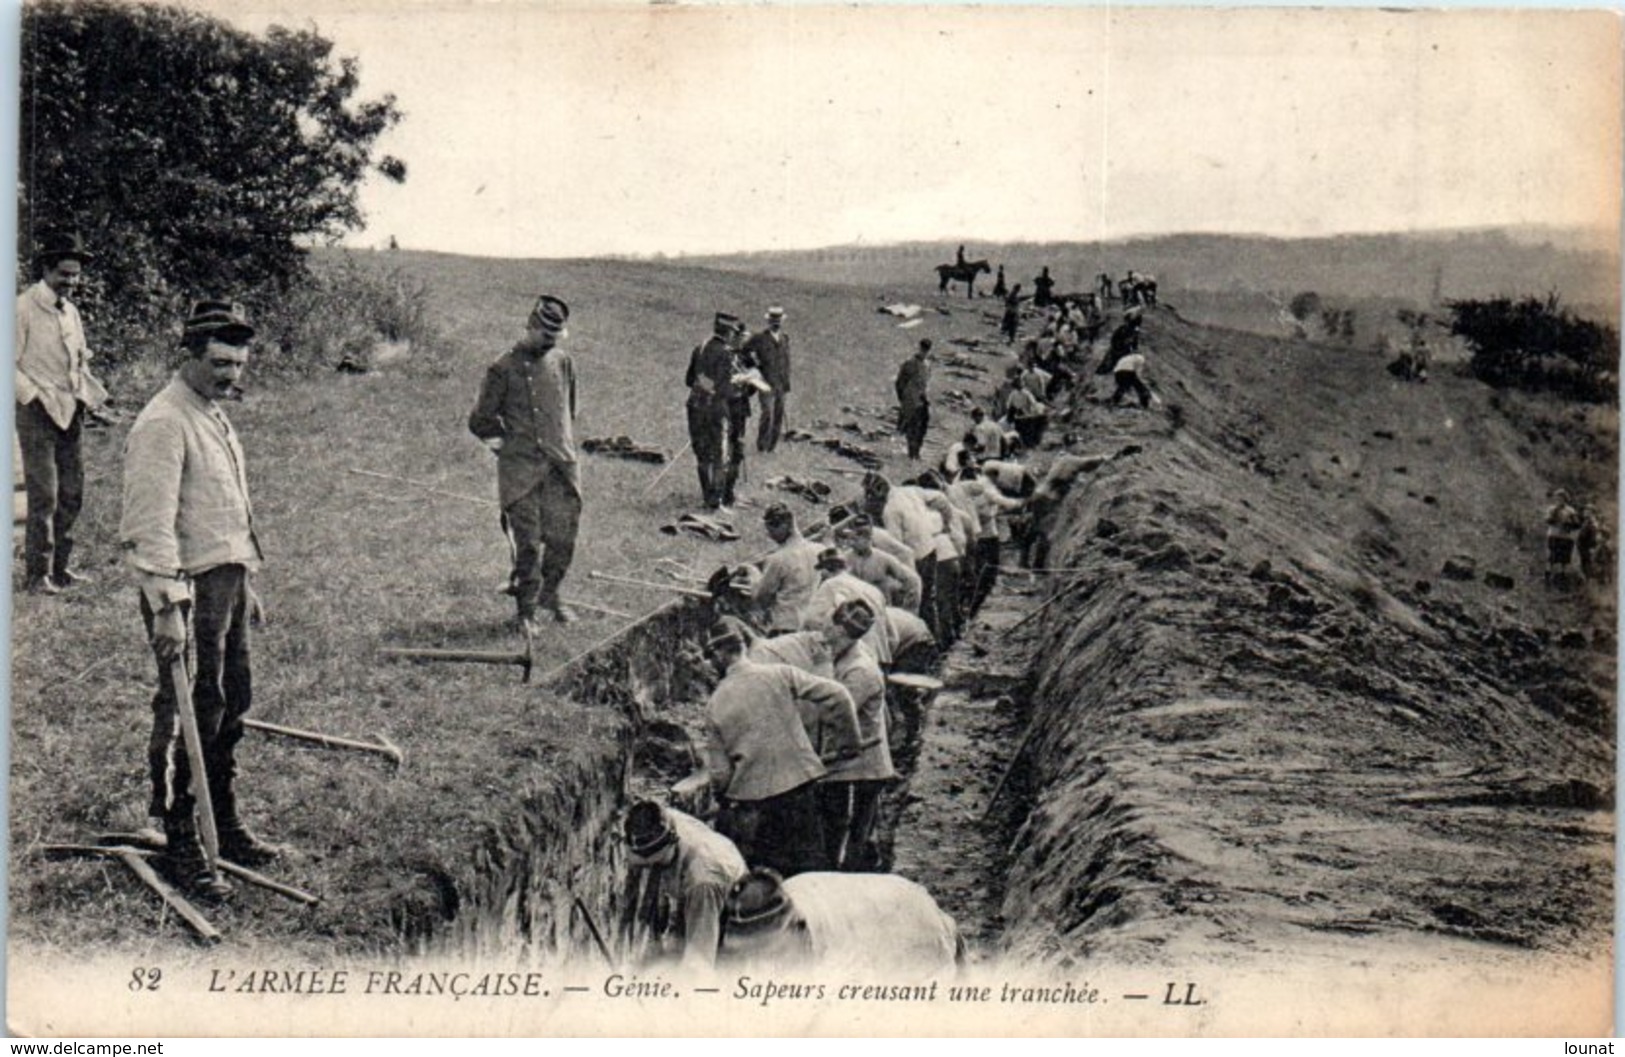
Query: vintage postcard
x,y
665,519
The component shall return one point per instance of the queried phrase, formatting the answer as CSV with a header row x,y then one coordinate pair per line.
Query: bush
x,y
344,313
1537,345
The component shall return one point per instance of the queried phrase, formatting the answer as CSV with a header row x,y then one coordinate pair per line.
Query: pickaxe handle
x,y
382,746
120,851
692,592
188,913
182,679
403,653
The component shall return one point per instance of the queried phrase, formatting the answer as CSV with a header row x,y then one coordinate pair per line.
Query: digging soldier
x,y
849,796
55,393
710,390
770,350
526,414
774,731
188,531
679,876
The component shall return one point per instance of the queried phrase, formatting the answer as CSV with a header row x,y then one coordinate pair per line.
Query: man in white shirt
x,y
188,532
55,391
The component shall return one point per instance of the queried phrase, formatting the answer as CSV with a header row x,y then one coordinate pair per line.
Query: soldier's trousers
x,y
543,523
707,430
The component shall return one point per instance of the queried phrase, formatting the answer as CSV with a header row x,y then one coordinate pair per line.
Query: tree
x,y
1537,344
194,157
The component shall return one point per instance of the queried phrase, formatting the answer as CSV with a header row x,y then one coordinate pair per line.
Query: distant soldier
x,y
710,390
679,874
1043,289
961,453
1010,323
1596,550
1563,524
999,288
1127,375
770,351
1125,340
913,397
989,434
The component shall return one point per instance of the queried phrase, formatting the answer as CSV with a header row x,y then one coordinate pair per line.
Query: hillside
x,y
1409,268
1259,727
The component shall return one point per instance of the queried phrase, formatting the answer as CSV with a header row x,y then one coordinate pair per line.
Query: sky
x,y
543,130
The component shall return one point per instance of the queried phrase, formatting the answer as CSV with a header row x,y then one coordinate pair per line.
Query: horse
x,y
966,273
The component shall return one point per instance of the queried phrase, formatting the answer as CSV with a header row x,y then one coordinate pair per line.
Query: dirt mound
x,y
1259,728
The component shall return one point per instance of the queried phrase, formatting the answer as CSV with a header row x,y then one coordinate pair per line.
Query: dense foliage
x,y
1536,344
195,158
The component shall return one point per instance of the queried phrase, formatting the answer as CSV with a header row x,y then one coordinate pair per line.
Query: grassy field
x,y
355,562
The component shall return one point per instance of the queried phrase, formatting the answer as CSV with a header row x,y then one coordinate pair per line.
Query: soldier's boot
x,y
238,843
184,861
708,487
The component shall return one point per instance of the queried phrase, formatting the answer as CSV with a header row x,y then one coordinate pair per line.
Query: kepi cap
x,y
549,315
648,830
224,321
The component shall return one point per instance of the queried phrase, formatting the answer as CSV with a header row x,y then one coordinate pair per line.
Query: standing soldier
x,y
188,531
771,351
1043,289
526,414
913,397
710,389
680,873
55,391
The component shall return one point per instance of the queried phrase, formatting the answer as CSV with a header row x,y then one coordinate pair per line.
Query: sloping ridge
x,y
1261,728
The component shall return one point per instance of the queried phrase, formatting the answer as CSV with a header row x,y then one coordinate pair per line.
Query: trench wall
x,y
517,898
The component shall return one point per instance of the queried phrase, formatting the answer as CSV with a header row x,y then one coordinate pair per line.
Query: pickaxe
x,y
124,844
383,746
525,660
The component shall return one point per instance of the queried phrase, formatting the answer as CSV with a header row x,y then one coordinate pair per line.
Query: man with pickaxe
x,y
188,530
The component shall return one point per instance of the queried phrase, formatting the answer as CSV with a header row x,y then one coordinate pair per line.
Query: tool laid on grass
x,y
382,746
662,474
525,660
118,845
692,592
426,486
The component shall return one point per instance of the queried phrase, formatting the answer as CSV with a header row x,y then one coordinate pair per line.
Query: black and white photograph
x,y
670,519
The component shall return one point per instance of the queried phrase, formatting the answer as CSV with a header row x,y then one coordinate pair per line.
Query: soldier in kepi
x,y
710,391
681,870
188,531
526,414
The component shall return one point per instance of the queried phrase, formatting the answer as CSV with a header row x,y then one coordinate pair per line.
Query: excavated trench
x,y
1213,735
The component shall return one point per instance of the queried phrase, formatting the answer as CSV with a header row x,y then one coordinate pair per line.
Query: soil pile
x,y
1265,719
